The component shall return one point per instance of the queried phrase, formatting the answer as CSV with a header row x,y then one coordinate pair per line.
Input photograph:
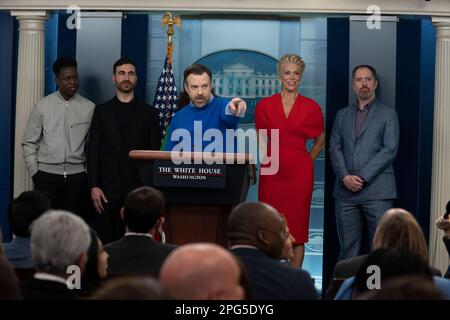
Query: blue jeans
x,y
350,217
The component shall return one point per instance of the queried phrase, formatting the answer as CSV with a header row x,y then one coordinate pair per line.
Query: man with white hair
x,y
59,240
201,271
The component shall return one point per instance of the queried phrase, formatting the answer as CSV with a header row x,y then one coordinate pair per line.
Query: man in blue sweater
x,y
204,123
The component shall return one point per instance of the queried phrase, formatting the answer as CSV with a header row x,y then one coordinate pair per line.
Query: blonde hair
x,y
399,229
291,58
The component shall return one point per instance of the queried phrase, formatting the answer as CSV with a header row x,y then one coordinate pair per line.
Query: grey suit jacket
x,y
370,156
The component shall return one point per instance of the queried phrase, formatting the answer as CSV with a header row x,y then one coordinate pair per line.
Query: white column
x,y
440,185
30,84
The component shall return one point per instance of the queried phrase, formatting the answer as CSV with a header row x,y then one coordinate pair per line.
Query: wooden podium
x,y
199,195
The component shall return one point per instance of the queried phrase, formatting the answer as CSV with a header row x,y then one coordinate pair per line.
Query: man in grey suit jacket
x,y
363,146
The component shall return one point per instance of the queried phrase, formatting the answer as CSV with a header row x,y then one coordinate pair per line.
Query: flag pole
x,y
169,20
166,97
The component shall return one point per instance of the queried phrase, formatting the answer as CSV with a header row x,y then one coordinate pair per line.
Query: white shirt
x,y
138,234
238,246
49,277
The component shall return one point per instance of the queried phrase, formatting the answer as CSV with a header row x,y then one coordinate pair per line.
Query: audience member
x,y
244,281
257,235
59,239
9,284
138,252
26,208
96,268
443,223
391,263
201,271
131,288
410,287
397,229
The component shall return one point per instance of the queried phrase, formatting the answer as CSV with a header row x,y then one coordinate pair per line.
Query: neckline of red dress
x,y
293,106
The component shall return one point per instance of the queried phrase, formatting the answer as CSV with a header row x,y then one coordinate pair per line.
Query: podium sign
x,y
168,174
199,195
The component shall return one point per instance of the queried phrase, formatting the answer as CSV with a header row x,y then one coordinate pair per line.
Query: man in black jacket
x,y
257,233
138,253
118,126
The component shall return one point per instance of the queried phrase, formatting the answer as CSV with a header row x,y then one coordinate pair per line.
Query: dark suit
x,y
369,156
270,279
349,267
137,254
36,289
108,164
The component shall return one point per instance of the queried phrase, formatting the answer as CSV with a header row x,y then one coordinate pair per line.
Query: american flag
x,y
166,97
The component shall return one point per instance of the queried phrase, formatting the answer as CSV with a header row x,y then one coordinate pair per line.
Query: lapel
x,y
139,120
350,124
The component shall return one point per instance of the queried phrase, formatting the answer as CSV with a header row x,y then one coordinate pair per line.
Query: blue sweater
x,y
18,252
211,116
345,292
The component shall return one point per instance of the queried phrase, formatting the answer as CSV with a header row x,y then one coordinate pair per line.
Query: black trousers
x,y
67,193
109,225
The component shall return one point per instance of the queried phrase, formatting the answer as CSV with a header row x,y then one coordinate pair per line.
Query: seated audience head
x,y
410,287
201,271
59,239
399,229
97,264
9,284
131,288
143,210
26,208
392,263
260,225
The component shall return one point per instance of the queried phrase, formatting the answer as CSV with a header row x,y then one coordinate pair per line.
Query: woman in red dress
x,y
297,119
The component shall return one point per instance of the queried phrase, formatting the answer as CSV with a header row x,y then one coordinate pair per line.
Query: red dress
x,y
290,189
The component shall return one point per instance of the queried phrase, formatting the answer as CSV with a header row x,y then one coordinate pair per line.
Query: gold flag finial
x,y
170,21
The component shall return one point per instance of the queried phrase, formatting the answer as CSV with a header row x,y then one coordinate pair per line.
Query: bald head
x,y
257,224
201,271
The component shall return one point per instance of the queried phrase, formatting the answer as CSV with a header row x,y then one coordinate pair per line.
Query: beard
x,y
125,89
364,93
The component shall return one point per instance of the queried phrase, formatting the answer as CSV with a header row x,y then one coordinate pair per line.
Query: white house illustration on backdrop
x,y
241,80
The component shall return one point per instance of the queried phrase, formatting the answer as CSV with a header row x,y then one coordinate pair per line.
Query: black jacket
x,y
108,164
269,279
36,289
136,254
